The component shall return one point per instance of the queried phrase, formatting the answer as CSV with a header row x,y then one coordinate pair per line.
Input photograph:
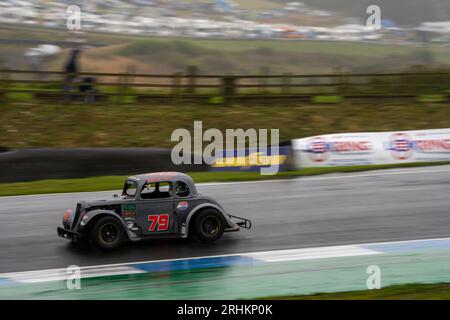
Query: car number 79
x,y
158,222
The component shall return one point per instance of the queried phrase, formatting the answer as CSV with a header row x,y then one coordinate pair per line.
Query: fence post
x,y
264,71
119,90
70,87
286,83
192,80
228,85
176,89
130,71
342,82
5,77
128,79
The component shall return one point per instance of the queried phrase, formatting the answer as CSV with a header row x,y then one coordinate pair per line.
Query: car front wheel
x,y
209,225
107,233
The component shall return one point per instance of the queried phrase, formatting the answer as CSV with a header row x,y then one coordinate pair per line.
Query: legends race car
x,y
153,205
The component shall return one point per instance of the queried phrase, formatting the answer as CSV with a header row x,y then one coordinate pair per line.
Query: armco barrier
x,y
349,149
55,163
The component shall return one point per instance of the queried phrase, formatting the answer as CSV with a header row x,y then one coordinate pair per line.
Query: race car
x,y
151,206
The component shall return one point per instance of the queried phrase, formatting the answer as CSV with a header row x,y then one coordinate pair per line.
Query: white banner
x,y
350,149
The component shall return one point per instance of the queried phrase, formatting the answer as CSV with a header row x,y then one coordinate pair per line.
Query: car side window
x,y
156,190
181,189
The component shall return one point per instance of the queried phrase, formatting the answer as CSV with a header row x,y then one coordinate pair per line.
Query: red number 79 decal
x,y
161,220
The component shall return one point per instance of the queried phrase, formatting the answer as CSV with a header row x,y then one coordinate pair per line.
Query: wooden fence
x,y
53,86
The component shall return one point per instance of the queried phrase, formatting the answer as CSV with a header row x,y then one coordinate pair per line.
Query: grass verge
x,y
115,182
27,124
438,291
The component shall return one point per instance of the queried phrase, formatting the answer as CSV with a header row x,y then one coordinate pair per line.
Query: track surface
x,y
388,205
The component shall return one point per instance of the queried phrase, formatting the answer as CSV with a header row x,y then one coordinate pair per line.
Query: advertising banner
x,y
350,149
251,159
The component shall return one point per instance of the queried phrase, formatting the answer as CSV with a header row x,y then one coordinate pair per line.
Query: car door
x,y
155,209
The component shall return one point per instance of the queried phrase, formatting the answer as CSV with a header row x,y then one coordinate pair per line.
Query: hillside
x,y
248,57
169,55
401,11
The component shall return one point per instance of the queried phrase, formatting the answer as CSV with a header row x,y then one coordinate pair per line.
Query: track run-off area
x,y
311,234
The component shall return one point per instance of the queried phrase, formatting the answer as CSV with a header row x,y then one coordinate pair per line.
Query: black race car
x,y
153,205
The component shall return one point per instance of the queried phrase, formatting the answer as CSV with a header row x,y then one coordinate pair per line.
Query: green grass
x,y
327,99
432,98
438,291
345,48
115,182
30,124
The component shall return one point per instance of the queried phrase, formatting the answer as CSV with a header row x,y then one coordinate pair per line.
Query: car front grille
x,y
76,216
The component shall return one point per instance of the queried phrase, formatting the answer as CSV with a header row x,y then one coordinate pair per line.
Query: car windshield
x,y
129,189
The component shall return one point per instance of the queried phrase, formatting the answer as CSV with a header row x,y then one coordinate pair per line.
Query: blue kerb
x,y
199,263
5,281
410,246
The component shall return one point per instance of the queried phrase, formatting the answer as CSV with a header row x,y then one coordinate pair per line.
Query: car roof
x,y
166,176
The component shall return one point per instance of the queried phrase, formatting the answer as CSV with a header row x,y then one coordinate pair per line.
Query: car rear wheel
x,y
107,233
209,225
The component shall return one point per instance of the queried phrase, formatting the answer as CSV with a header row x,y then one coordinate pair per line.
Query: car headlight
x,y
84,220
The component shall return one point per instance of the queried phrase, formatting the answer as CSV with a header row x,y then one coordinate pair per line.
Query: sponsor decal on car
x,y
129,210
183,205
129,207
129,214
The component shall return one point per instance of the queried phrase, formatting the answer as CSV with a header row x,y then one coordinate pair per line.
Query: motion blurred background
x,y
86,108
161,36
147,67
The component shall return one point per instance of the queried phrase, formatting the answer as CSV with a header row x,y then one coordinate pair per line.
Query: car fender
x,y
185,232
95,213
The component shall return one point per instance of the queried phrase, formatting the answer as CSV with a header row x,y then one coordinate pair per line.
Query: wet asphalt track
x,y
374,206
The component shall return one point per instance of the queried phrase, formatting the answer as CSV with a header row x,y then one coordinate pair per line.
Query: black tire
x,y
107,233
209,225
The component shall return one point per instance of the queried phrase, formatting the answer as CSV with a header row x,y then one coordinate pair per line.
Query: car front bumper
x,y
68,234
